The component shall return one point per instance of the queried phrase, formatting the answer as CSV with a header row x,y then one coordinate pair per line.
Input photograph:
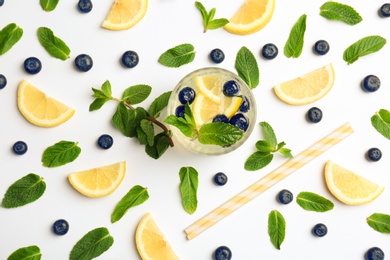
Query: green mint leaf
x,y
217,23
280,145
145,132
178,56
211,15
136,196
294,44
362,47
286,152
106,89
219,134
209,23
247,68
202,9
52,44
159,104
101,96
60,153
188,188
264,146
181,124
340,12
128,120
258,160
26,253
92,244
160,145
189,116
24,191
97,103
9,36
136,94
269,134
276,228
379,222
314,202
48,5
381,122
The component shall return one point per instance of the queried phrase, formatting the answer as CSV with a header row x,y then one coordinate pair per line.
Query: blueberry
x,y
85,6
217,56
61,227
374,253
314,115
321,47
221,118
83,62
187,94
245,105
269,51
1,2
220,178
105,141
240,121
371,83
319,230
374,154
222,253
20,147
231,88
179,112
285,196
32,65
3,81
130,59
384,11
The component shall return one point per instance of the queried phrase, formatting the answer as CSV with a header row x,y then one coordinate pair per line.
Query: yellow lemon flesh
x,y
124,14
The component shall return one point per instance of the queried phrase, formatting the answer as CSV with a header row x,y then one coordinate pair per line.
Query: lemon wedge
x,y
210,86
204,110
124,14
231,105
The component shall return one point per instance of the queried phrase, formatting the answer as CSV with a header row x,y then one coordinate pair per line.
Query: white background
x,y
168,23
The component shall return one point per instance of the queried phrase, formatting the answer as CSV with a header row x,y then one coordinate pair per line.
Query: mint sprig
x,y
9,36
362,47
341,12
27,253
247,68
381,122
188,188
209,22
56,47
294,44
266,149
178,56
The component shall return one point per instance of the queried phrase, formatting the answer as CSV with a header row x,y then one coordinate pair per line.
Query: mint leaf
x,y
145,132
159,104
92,244
264,146
136,196
97,103
219,134
314,202
362,47
341,12
136,94
180,123
188,188
217,23
247,67
101,96
127,120
159,147
60,153
286,152
48,5
25,190
276,228
381,122
178,56
209,23
9,36
203,11
379,222
269,134
258,160
294,44
52,44
26,253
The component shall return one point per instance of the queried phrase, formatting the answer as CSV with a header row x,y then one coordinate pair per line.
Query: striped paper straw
x,y
268,181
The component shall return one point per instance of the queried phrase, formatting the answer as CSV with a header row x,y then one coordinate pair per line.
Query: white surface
x,y
168,23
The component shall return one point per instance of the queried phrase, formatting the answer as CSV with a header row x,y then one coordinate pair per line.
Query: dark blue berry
x,y
384,11
245,105
3,81
285,196
32,65
83,62
321,47
179,112
222,253
231,88
85,6
1,2
105,141
217,56
220,178
314,115
269,51
374,154
374,253
371,83
61,227
187,94
319,230
20,147
240,121
130,59
221,118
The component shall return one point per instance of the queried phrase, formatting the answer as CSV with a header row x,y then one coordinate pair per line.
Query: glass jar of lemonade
x,y
210,101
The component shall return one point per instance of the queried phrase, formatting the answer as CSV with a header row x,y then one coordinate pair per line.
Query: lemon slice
x,y
349,187
39,109
210,86
204,110
98,182
307,88
150,241
231,105
251,17
124,14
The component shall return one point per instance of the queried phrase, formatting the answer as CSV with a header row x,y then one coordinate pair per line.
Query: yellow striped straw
x,y
268,181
